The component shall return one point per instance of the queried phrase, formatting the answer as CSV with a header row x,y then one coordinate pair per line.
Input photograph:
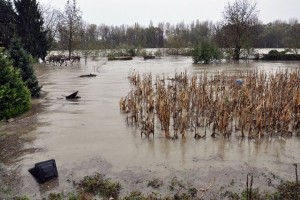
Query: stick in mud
x,y
249,188
296,172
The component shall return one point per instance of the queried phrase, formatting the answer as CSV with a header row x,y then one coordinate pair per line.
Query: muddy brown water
x,y
90,134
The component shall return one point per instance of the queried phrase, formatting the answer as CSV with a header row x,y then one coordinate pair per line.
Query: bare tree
x,y
71,21
52,17
240,20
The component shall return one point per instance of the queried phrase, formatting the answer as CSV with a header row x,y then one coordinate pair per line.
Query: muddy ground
x,y
14,134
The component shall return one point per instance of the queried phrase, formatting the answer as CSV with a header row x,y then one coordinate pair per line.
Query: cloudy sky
x,y
117,12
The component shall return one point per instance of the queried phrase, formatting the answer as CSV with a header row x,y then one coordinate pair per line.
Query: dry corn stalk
x,y
263,105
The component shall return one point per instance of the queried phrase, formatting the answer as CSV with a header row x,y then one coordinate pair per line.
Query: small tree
x,y
23,61
14,95
71,20
206,52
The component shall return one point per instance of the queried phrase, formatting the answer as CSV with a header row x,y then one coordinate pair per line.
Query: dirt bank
x,y
13,134
13,137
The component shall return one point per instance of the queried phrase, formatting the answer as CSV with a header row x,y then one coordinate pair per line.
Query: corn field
x,y
249,104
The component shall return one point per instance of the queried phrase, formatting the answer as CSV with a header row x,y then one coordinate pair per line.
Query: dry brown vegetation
x,y
265,104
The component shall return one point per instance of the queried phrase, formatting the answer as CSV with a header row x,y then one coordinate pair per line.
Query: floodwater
x,y
90,134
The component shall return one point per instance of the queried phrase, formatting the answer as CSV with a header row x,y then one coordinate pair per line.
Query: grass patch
x,y
155,183
21,198
99,185
55,196
175,183
288,190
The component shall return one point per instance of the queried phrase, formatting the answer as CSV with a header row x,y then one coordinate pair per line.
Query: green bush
x,y
14,95
206,52
131,52
275,55
273,52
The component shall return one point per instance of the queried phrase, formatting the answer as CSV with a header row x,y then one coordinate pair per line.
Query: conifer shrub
x,y
24,62
14,94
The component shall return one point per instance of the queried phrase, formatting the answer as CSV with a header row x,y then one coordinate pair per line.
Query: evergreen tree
x,y
30,28
14,95
7,22
23,61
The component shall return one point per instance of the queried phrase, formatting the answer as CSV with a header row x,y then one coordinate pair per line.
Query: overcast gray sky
x,y
117,12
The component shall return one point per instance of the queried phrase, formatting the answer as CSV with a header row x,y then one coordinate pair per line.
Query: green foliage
x,y
182,196
136,195
207,52
6,191
273,52
155,183
158,53
289,190
193,191
286,190
97,184
72,196
236,34
55,196
21,198
7,22
131,52
154,37
23,61
14,95
30,28
175,183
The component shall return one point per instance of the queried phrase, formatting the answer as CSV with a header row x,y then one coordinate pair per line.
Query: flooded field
x,y
90,134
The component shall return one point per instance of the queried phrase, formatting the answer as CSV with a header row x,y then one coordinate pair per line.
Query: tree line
x,y
248,29
239,29
277,34
43,28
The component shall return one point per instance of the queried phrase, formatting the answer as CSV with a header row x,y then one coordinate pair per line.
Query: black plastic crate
x,y
44,171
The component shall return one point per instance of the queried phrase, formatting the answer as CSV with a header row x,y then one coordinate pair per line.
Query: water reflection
x,y
77,132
